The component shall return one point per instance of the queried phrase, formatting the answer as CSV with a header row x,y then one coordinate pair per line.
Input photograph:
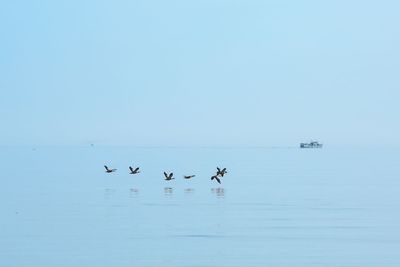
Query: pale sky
x,y
199,73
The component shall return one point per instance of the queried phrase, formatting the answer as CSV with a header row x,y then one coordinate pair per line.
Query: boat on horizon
x,y
312,144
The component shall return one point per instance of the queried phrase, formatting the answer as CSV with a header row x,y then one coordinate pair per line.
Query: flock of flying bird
x,y
170,176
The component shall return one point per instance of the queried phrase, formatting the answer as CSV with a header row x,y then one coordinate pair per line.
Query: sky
x,y
199,73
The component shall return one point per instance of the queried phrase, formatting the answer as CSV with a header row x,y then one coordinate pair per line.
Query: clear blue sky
x,y
206,72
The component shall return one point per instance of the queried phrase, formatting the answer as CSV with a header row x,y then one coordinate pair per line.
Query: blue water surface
x,y
275,207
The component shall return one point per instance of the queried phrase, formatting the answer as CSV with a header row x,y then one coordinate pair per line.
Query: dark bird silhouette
x,y
188,176
216,178
109,170
221,172
169,177
134,171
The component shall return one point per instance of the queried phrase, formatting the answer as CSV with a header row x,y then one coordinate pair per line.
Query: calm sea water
x,y
275,207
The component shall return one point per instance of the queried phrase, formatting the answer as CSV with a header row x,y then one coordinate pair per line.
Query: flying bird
x,y
221,172
109,170
169,177
188,176
134,171
216,178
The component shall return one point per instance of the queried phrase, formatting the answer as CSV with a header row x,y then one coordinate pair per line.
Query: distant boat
x,y
312,144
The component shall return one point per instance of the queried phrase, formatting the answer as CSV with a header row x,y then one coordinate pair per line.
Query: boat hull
x,y
306,145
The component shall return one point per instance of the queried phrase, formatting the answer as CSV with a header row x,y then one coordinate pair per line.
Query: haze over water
x,y
229,73
275,207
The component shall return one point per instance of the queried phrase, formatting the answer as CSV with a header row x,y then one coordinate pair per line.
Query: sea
x,y
276,206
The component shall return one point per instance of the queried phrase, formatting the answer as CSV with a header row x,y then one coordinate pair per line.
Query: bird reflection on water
x,y
219,192
133,193
168,191
108,192
189,191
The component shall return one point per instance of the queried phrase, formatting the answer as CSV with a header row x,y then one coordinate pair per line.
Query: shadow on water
x,y
168,191
219,192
